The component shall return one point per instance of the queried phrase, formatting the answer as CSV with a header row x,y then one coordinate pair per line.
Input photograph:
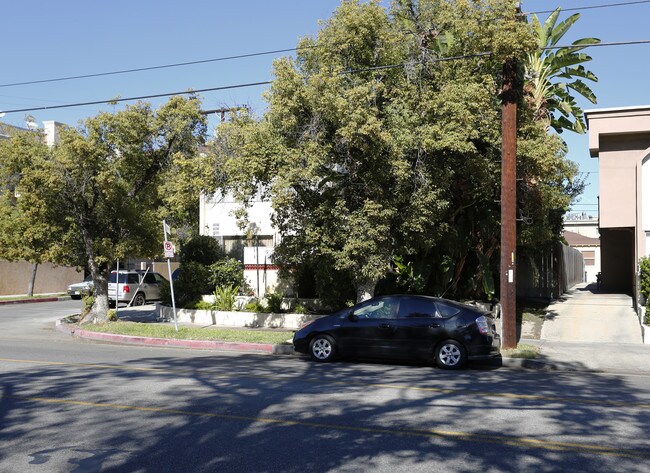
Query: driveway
x,y
588,330
585,314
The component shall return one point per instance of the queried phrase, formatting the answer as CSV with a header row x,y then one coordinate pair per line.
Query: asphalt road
x,y
70,405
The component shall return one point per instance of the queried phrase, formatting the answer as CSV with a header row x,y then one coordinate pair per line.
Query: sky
x,y
53,39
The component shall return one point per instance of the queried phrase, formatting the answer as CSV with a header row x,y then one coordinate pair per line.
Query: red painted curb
x,y
164,342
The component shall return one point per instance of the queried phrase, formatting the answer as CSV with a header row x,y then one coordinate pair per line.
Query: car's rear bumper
x,y
489,348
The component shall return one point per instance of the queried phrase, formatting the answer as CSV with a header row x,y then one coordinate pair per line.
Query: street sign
x,y
168,246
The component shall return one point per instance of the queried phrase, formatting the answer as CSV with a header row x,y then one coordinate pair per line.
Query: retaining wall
x,y
235,318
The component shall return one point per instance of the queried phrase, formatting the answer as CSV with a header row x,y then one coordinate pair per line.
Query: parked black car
x,y
403,326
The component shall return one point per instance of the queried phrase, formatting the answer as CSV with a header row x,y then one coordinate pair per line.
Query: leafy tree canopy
x,y
373,148
554,74
96,194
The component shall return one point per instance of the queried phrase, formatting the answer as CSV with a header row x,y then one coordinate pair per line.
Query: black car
x,y
403,326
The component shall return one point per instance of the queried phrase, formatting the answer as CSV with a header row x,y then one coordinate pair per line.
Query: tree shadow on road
x,y
255,413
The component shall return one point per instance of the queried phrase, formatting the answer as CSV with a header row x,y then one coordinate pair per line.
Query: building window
x,y
234,245
590,258
215,230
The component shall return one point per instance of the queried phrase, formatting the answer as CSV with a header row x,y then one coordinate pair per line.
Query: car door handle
x,y
384,326
434,326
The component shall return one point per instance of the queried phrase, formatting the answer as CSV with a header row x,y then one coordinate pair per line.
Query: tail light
x,y
125,289
483,326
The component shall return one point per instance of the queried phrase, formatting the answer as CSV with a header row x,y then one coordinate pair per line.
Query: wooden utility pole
x,y
509,205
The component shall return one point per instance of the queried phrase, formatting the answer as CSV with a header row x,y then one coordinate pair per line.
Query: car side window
x,y
150,279
384,308
447,310
159,278
414,307
132,279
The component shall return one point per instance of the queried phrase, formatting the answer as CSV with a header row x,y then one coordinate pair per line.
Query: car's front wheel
x,y
450,355
322,348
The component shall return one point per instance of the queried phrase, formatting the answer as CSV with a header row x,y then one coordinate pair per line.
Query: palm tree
x,y
553,75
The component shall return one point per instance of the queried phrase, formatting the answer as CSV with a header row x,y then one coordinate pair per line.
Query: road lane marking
x,y
523,442
458,392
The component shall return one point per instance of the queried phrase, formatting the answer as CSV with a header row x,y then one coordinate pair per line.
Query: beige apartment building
x,y
620,139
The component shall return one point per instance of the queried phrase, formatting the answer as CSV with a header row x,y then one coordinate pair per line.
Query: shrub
x,y
192,283
201,249
274,301
300,309
644,277
201,305
111,316
227,272
254,306
88,305
224,297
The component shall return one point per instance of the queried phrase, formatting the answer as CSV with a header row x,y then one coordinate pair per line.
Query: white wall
x,y
220,210
588,228
217,219
591,271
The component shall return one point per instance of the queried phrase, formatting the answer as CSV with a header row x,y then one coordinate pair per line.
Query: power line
x,y
249,55
235,86
591,7
141,97
592,45
152,68
352,71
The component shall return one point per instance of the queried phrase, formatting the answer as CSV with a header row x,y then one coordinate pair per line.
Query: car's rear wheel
x,y
450,355
322,348
139,299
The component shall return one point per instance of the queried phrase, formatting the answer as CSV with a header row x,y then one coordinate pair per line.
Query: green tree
x,y
99,189
202,249
553,75
341,191
20,238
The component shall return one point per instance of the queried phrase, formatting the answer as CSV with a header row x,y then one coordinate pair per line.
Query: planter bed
x,y
236,318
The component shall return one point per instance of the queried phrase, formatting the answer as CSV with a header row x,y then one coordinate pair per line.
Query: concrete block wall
x,y
15,276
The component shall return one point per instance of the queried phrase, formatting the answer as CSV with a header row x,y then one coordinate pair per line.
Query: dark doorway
x,y
617,260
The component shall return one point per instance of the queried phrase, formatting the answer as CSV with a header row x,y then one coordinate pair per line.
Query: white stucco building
x,y
253,246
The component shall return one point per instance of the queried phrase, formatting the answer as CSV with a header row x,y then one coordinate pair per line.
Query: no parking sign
x,y
168,246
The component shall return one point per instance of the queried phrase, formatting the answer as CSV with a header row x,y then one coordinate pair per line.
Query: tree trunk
x,y
366,289
99,311
32,280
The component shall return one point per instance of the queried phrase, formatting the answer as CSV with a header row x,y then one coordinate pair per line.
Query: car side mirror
x,y
352,317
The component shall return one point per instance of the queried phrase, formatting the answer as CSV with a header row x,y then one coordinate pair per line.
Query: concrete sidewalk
x,y
628,358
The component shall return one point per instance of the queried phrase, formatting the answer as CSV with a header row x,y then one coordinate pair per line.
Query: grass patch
x,y
522,351
193,333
